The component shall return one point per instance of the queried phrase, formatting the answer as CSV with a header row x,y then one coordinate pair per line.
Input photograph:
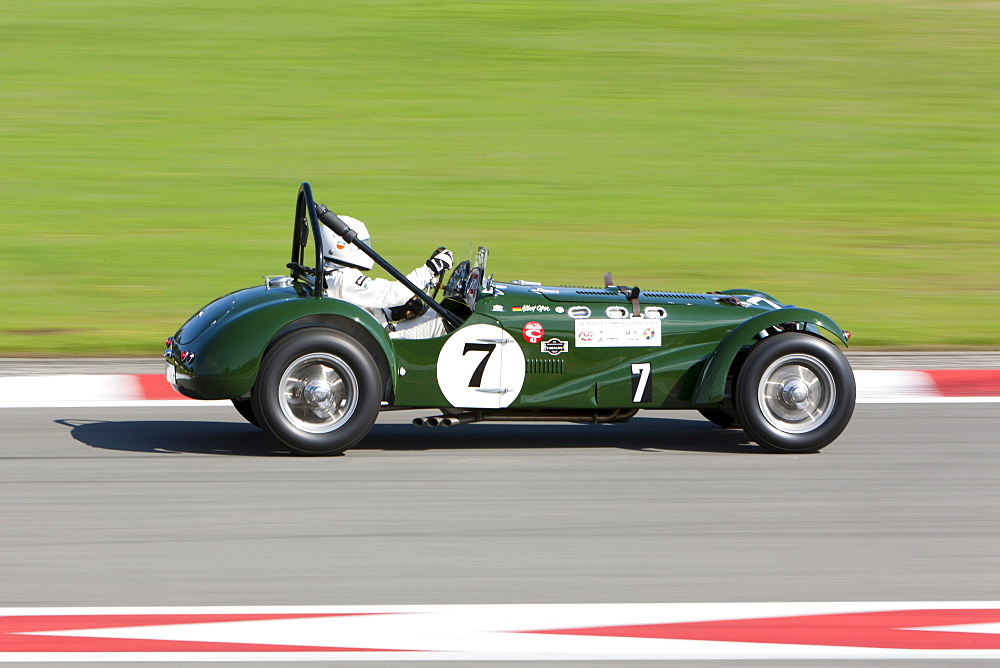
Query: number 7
x,y
488,348
642,391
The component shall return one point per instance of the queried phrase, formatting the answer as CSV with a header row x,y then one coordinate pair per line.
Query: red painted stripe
x,y
887,630
155,386
967,382
11,627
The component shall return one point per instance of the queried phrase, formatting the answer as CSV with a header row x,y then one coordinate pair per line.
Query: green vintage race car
x,y
314,372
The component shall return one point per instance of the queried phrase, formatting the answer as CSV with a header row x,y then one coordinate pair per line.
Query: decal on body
x,y
480,366
642,389
630,333
555,346
533,332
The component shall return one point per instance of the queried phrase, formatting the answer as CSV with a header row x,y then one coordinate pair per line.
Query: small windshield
x,y
480,258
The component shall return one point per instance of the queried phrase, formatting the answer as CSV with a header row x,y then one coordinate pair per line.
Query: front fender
x,y
711,387
228,355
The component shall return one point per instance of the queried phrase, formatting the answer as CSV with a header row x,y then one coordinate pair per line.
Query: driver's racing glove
x,y
440,260
408,311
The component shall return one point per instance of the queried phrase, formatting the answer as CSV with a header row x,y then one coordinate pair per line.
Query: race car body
x,y
314,371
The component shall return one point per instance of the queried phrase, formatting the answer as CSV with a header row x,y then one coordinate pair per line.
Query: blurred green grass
x,y
841,155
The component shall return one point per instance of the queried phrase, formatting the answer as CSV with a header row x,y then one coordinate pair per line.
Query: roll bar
x,y
318,214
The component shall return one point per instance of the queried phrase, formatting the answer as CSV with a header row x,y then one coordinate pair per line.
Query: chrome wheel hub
x,y
318,392
796,393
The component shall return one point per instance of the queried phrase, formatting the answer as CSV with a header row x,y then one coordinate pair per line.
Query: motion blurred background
x,y
842,155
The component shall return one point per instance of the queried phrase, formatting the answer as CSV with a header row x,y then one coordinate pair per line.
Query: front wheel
x,y
319,392
795,393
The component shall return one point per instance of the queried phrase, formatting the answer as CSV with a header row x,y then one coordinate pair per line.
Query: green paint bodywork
x,y
230,336
701,338
711,385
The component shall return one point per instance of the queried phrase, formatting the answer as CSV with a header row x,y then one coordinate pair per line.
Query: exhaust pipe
x,y
452,420
445,420
432,421
594,417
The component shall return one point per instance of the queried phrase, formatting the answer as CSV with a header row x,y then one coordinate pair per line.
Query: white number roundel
x,y
480,366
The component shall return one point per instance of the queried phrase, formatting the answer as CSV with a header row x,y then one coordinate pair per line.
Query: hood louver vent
x,y
671,295
654,295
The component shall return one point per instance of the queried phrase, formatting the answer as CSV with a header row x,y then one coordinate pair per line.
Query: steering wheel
x,y
459,277
464,283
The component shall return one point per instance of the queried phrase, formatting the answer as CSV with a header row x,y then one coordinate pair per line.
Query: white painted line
x,y
129,403
67,388
575,632
929,400
894,386
130,390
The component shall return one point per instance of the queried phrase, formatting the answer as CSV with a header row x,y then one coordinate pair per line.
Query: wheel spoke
x,y
795,393
319,392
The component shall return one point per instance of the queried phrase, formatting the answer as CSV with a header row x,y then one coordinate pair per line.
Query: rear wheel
x,y
795,393
318,392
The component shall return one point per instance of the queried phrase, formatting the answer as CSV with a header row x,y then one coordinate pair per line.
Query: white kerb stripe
x,y
68,388
889,386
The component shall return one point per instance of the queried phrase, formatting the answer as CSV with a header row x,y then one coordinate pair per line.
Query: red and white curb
x,y
86,390
932,386
614,632
92,390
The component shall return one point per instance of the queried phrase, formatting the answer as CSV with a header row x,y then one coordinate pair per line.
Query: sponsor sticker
x,y
497,308
560,309
555,346
533,332
630,333
532,308
363,282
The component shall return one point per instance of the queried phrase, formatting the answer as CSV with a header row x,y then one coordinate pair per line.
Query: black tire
x,y
795,393
318,392
723,417
245,408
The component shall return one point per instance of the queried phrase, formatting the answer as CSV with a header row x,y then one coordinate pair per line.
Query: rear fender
x,y
711,388
230,356
377,346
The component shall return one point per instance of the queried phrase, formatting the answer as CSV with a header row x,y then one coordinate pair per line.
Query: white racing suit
x,y
378,295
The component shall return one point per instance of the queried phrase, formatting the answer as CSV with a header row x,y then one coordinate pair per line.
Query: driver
x,y
344,264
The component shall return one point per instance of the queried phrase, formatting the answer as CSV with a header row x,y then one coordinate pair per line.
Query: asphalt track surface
x,y
193,506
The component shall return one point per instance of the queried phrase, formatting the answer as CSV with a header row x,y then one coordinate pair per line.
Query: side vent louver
x,y
544,366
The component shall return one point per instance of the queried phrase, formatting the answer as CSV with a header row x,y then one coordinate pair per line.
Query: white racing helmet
x,y
338,251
